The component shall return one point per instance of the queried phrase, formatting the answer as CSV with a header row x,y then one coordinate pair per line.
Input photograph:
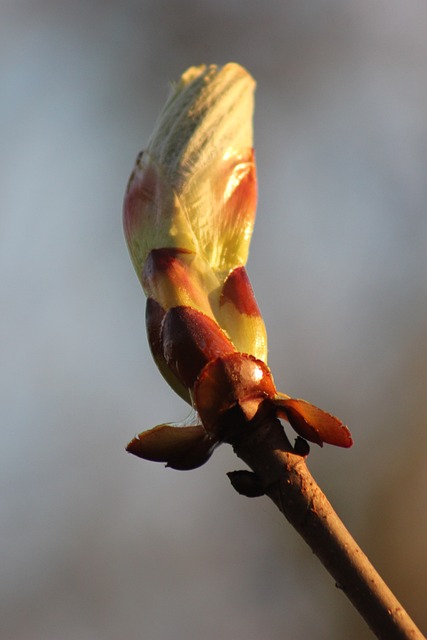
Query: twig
x,y
285,478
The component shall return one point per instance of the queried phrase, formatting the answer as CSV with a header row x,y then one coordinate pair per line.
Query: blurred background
x,y
95,543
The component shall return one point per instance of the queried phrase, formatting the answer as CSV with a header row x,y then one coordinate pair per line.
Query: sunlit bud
x,y
188,217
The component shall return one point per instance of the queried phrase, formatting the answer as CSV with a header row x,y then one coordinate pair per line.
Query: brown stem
x,y
286,479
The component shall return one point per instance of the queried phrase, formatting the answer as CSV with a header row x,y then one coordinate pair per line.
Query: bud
x,y
189,213
190,204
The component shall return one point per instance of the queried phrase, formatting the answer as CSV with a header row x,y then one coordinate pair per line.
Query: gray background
x,y
95,543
